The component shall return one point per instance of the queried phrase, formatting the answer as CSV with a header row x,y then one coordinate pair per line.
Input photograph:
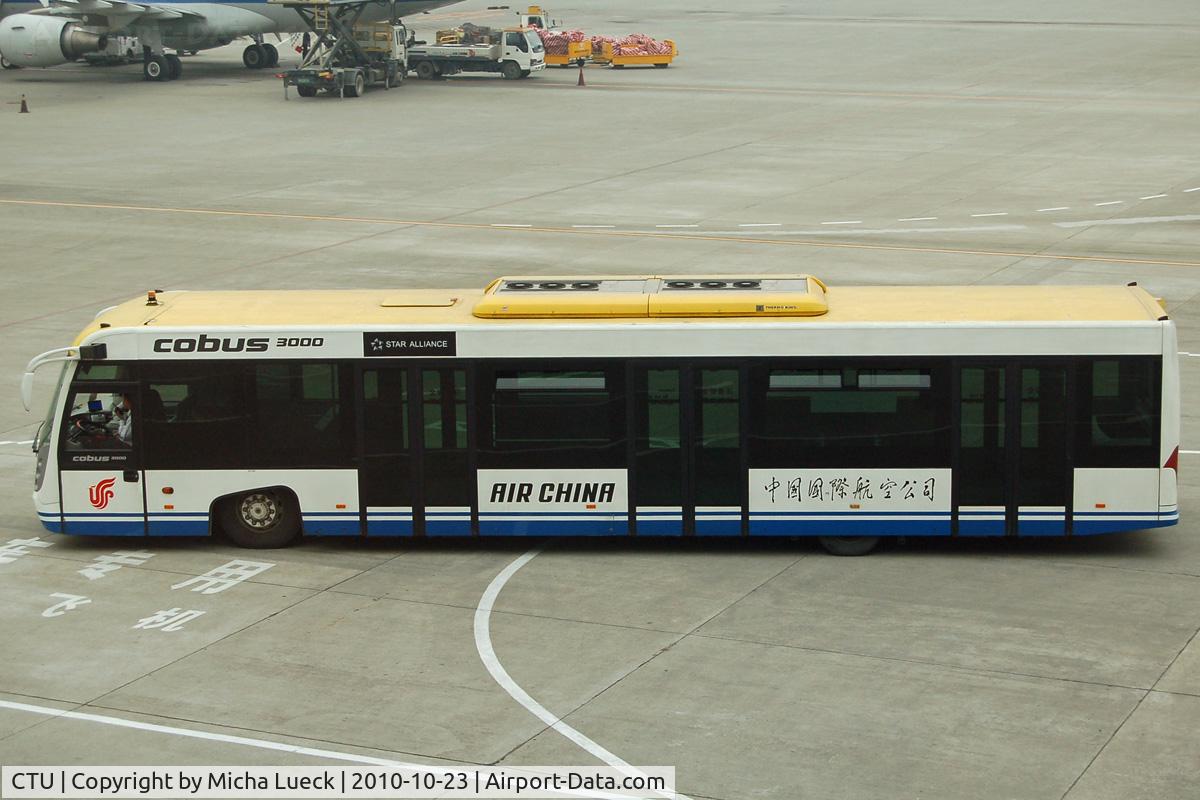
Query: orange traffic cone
x,y
581,81
24,106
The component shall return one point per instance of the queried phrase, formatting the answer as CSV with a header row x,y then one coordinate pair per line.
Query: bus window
x,y
300,417
99,421
1119,402
551,418
837,417
195,415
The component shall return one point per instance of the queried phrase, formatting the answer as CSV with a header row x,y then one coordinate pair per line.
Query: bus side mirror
x,y
27,390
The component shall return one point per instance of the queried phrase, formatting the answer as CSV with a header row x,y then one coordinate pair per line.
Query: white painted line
x,y
245,741
759,224
1190,452
844,222
916,219
487,654
871,231
1109,203
593,226
1152,197
1083,223
992,214
23,441
1193,189
264,744
1186,353
1056,208
677,226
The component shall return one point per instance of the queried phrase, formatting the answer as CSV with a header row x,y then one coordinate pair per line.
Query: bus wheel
x,y
848,545
264,519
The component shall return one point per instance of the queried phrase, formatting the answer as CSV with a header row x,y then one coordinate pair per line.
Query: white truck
x,y
513,52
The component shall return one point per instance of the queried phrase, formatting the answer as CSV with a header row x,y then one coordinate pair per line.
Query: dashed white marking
x,y
1083,223
992,214
1193,189
23,441
1056,208
873,231
264,744
759,224
1152,197
487,654
1186,353
844,222
1109,203
916,219
677,226
1190,452
593,226
510,225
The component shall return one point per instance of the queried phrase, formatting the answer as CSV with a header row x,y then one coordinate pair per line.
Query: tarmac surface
x,y
938,142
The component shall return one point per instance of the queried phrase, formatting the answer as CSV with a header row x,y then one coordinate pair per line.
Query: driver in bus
x,y
123,416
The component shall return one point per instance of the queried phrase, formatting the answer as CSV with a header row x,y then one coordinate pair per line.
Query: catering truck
x,y
513,52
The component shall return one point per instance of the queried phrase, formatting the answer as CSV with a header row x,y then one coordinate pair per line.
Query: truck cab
x,y
524,46
383,40
536,16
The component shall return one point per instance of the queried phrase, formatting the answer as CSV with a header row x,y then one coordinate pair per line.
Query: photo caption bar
x,y
451,783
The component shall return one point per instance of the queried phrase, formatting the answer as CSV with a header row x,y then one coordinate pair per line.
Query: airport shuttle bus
x,y
621,406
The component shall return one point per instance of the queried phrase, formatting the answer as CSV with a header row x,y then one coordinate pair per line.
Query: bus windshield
x,y
42,437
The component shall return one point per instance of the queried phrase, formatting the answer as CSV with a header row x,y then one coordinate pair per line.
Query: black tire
x,y
357,87
254,56
618,66
849,545
155,68
426,70
525,73
662,66
272,55
174,66
6,64
261,519
511,70
306,91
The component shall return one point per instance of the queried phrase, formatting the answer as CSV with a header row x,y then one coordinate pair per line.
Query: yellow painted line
x,y
480,226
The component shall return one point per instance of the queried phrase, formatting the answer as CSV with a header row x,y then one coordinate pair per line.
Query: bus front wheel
x,y
262,519
848,545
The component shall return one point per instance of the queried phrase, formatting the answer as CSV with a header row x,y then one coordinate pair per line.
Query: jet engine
x,y
32,40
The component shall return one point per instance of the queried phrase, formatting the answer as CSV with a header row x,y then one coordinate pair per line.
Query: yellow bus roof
x,y
847,305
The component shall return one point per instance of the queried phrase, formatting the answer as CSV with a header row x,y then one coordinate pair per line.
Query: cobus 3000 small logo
x,y
101,493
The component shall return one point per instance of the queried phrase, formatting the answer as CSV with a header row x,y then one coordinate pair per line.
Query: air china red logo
x,y
101,493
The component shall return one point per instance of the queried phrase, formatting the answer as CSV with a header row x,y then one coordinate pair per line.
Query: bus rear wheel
x,y
848,545
262,519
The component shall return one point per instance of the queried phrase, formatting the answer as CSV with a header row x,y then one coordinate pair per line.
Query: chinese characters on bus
x,y
798,488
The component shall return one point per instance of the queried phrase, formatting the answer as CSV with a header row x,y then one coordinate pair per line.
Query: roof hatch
x,y
654,296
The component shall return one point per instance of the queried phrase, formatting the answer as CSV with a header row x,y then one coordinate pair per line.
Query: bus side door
x,y
1013,475
101,481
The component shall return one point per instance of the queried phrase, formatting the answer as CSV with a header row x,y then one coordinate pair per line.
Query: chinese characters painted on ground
x,y
13,549
225,576
102,565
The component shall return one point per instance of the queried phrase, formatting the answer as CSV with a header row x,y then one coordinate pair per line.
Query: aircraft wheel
x,y
254,56
174,66
272,55
156,68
